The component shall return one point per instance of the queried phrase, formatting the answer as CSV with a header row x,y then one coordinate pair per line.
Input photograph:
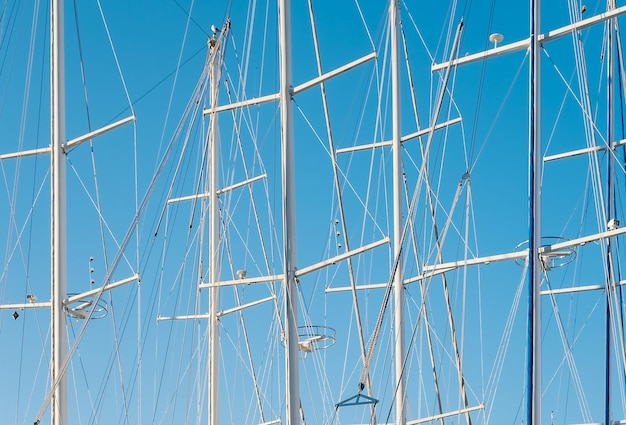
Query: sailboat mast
x,y
289,219
214,300
610,208
58,335
397,215
533,408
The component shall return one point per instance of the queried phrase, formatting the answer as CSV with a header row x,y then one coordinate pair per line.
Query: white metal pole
x,y
610,212
289,219
58,217
214,295
397,215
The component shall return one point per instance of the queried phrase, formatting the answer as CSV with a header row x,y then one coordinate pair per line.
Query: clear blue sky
x,y
160,48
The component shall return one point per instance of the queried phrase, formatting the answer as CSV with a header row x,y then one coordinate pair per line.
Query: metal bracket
x,y
357,400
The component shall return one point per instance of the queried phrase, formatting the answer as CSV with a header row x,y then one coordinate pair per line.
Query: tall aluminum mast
x,y
397,216
289,219
58,335
214,294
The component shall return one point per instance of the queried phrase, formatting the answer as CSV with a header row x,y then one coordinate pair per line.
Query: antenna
x,y
496,38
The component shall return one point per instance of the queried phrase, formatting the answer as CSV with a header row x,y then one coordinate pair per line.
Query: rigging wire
x,y
84,375
248,175
594,129
423,313
174,83
496,372
439,240
404,231
96,183
252,126
12,194
338,189
257,218
253,372
481,83
567,348
114,263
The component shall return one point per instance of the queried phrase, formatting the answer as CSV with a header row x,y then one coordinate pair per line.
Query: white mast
x,y
289,220
397,215
58,335
610,211
214,300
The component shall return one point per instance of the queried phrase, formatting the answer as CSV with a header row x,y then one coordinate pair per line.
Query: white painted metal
x,y
93,134
431,270
585,239
245,306
96,291
331,74
70,144
244,103
573,289
398,288
246,281
583,151
305,270
525,44
214,237
184,317
22,306
298,89
356,287
23,154
219,191
413,280
73,298
292,396
481,406
58,336
573,153
411,136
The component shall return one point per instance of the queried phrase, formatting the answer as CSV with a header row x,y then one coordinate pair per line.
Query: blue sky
x,y
150,42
